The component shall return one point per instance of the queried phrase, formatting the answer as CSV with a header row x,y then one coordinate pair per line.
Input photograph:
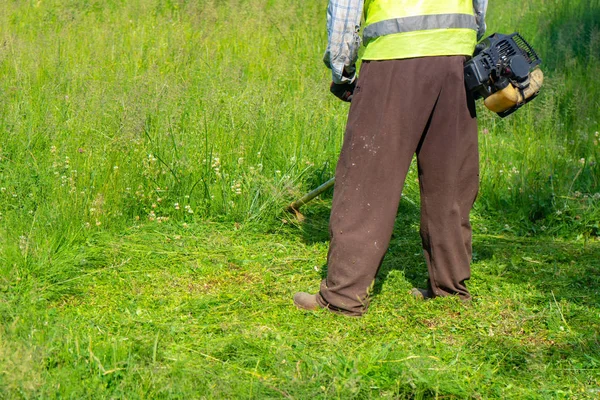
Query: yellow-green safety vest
x,y
418,28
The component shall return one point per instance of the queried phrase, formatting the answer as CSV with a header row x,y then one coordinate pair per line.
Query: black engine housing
x,y
499,59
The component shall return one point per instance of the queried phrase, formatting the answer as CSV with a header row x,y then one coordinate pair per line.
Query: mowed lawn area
x,y
206,312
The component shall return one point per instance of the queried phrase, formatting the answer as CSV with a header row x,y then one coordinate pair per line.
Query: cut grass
x,y
206,310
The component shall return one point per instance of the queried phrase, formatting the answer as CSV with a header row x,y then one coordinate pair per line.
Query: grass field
x,y
148,149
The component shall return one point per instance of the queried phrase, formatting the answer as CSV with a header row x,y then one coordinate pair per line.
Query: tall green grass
x,y
118,111
540,166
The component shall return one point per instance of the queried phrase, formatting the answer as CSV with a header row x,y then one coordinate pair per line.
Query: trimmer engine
x,y
504,71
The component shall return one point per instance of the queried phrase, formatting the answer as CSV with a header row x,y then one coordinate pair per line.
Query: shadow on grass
x,y
315,226
571,35
405,253
558,270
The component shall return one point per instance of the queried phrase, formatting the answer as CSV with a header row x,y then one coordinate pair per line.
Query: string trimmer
x,y
504,71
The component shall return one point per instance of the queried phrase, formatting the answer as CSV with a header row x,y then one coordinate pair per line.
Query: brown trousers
x,y
399,108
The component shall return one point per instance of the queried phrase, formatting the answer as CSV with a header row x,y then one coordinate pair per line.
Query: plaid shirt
x,y
343,25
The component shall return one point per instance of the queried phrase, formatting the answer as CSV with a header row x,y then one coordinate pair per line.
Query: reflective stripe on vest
x,y
419,23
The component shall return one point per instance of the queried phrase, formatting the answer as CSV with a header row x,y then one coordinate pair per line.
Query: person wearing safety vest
x,y
410,99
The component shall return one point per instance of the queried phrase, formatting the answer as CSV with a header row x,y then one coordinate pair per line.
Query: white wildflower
x,y
23,243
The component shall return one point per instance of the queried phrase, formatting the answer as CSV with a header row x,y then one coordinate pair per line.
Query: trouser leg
x,y
448,164
390,110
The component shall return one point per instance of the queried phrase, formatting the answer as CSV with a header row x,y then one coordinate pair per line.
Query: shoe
x,y
306,301
421,294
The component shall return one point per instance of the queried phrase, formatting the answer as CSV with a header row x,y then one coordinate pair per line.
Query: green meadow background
x,y
148,149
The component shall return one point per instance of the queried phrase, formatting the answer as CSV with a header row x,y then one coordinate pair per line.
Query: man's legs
x,y
448,161
394,109
390,109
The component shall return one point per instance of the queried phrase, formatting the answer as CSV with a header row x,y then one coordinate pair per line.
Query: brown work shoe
x,y
421,294
306,301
